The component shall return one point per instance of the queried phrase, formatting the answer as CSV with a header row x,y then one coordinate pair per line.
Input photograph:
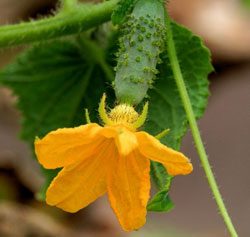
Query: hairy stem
x,y
195,130
65,23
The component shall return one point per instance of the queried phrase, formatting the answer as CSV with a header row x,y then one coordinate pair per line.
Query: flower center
x,y
123,114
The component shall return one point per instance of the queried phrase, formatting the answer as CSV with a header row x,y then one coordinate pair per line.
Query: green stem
x,y
65,23
195,130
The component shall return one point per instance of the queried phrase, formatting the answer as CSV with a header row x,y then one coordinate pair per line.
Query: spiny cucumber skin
x,y
140,45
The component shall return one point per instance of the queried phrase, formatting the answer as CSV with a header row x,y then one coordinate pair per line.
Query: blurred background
x,y
225,27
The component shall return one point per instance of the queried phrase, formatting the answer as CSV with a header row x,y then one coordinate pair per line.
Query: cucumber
x,y
141,42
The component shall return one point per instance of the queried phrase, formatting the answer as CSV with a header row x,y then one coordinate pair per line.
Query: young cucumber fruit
x,y
140,44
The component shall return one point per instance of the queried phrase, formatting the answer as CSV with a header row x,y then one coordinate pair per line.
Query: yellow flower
x,y
114,159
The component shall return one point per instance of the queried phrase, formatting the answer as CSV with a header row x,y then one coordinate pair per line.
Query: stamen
x,y
123,114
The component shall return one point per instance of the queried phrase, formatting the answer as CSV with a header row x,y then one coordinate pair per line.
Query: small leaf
x,y
123,8
160,176
54,82
161,202
165,108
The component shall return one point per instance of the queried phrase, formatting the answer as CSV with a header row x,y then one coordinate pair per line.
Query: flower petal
x,y
67,145
79,184
175,162
128,190
125,140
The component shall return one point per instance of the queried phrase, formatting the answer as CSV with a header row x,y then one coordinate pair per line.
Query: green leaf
x,y
161,202
160,176
123,8
165,109
54,82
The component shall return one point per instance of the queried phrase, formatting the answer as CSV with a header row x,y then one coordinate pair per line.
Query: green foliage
x,y
161,202
138,55
123,8
168,112
166,109
52,82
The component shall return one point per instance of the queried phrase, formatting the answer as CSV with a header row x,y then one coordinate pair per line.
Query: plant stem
x,y
195,130
65,23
